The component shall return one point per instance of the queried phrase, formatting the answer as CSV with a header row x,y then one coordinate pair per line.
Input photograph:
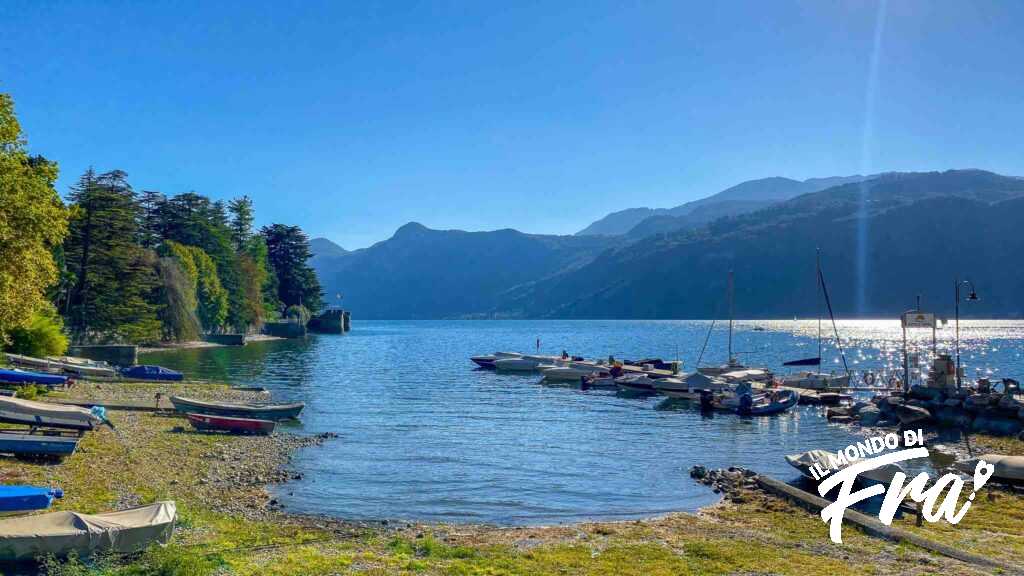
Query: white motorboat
x,y
824,459
755,375
602,379
571,372
487,360
84,366
690,386
816,381
525,363
636,383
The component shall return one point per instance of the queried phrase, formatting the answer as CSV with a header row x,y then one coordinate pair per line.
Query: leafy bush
x,y
297,313
43,336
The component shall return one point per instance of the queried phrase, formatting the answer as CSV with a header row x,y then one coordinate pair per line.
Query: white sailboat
x,y
818,380
732,364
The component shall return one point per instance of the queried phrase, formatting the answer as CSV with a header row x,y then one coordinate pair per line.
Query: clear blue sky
x,y
352,118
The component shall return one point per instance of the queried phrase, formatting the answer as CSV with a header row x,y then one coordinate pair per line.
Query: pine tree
x,y
115,278
241,222
288,253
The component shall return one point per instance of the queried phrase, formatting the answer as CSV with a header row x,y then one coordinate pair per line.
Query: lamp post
x,y
972,297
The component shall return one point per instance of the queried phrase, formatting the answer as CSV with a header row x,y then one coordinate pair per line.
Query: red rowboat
x,y
230,424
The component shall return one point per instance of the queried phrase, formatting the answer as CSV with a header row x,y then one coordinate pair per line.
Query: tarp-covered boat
x,y
22,443
823,458
17,499
148,372
60,533
21,377
257,411
230,424
48,414
1007,468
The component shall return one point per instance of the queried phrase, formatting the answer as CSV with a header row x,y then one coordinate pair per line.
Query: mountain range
x,y
884,239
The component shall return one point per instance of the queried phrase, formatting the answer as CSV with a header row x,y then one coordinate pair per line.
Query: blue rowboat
x,y
16,499
20,377
23,443
273,412
147,372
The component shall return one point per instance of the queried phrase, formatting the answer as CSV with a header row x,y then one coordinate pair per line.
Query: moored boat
x,y
208,422
824,459
22,499
19,377
154,373
635,383
487,360
49,415
50,444
524,363
571,372
690,386
817,381
61,533
256,411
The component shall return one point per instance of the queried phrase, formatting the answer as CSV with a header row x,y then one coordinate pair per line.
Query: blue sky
x,y
352,118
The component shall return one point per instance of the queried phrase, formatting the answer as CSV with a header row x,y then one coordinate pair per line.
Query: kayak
x,y
229,424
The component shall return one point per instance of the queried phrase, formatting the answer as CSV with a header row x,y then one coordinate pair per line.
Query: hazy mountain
x,y
739,199
324,247
424,273
920,230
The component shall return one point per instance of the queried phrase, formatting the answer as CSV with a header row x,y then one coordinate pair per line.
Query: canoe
x,y
61,533
208,422
257,411
48,414
1007,468
155,373
23,443
21,377
803,462
20,499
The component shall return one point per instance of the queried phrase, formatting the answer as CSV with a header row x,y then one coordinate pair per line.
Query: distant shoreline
x,y
200,344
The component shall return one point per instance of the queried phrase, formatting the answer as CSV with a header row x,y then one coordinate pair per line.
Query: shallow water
x,y
425,436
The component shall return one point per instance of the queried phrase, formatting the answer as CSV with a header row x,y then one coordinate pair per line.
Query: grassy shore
x,y
229,523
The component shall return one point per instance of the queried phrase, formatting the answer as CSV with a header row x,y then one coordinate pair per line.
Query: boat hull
x,y
273,412
17,377
21,444
22,499
207,423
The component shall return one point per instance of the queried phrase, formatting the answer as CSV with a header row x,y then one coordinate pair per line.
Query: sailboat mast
x,y
732,312
817,281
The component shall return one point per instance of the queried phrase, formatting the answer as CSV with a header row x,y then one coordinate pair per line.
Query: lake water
x,y
425,436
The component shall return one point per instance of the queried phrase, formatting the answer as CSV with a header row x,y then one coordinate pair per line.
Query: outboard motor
x,y
746,401
707,400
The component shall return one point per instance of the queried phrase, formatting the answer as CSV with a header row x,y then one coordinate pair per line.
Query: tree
x,y
210,297
241,222
42,336
33,221
115,278
288,253
151,204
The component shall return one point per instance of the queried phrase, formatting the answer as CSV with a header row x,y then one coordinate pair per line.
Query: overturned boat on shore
x,y
824,459
255,411
24,499
21,378
62,533
49,415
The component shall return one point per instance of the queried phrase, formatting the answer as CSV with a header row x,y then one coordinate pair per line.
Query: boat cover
x,y
59,533
146,372
25,498
802,462
29,410
1006,467
20,377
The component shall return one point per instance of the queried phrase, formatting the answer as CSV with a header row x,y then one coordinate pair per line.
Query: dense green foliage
x,y
288,252
115,265
42,336
33,222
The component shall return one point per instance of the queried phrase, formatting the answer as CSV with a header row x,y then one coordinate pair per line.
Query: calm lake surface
x,y
425,436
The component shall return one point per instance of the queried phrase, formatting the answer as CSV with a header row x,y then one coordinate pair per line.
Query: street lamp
x,y
972,297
